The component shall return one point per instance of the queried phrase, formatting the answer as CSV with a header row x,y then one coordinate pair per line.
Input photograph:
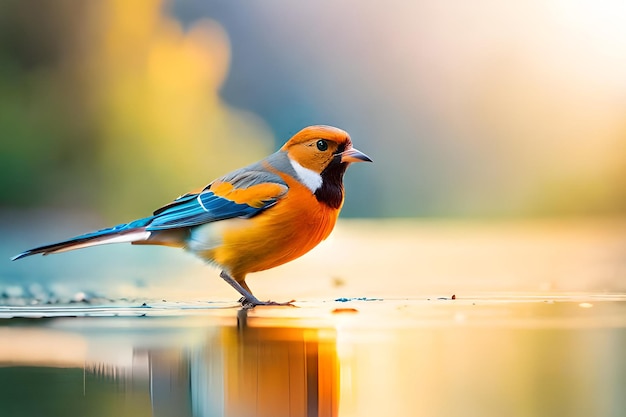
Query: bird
x,y
252,219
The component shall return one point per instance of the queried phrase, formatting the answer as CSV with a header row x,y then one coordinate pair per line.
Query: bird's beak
x,y
354,155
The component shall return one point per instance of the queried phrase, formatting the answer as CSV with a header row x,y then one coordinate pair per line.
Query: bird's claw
x,y
249,304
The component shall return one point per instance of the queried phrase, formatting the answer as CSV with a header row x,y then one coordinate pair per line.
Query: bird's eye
x,y
322,145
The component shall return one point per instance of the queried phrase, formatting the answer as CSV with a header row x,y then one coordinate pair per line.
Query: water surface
x,y
537,326
483,356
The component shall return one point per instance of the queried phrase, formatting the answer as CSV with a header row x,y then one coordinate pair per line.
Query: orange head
x,y
315,147
320,156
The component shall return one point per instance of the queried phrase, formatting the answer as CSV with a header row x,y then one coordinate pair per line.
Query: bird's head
x,y
318,147
320,155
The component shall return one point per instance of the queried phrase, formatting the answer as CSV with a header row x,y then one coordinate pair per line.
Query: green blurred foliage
x,y
47,130
114,107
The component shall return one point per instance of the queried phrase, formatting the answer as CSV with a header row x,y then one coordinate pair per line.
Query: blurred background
x,y
488,110
498,134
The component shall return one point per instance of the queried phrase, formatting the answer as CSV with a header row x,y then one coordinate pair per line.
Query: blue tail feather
x,y
109,231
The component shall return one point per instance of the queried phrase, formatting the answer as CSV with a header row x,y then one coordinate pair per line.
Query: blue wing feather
x,y
195,209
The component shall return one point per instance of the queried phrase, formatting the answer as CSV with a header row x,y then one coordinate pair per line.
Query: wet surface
x,y
522,355
393,318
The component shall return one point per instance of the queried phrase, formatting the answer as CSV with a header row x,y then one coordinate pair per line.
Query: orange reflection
x,y
274,371
249,370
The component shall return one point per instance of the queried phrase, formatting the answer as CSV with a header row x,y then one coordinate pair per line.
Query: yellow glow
x,y
164,124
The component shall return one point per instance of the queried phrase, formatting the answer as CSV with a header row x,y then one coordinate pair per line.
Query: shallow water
x,y
537,326
472,356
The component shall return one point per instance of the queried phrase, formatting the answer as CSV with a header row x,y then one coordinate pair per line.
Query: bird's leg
x,y
248,299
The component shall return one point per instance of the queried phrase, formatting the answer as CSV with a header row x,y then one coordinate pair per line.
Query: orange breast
x,y
286,231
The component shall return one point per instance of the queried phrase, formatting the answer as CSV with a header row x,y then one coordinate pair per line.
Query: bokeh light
x,y
488,109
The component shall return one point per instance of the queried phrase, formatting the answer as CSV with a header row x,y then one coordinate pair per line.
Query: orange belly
x,y
285,231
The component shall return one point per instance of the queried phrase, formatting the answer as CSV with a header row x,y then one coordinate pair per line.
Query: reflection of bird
x,y
252,219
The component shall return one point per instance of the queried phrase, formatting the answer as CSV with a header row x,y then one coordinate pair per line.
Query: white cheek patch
x,y
308,177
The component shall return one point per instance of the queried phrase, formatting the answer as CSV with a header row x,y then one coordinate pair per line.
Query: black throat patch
x,y
331,191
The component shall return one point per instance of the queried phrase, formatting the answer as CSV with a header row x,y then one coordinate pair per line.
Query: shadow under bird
x,y
252,219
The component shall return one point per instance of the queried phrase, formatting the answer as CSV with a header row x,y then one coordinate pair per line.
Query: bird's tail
x,y
133,232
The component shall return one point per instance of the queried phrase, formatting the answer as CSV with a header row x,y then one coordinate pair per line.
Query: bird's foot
x,y
248,304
